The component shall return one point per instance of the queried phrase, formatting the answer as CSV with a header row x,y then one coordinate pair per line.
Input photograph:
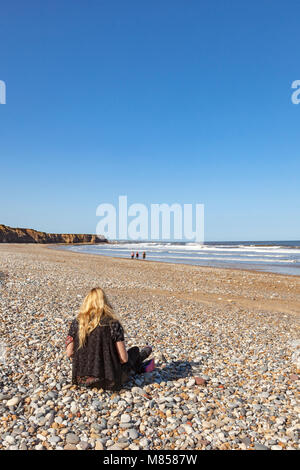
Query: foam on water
x,y
281,257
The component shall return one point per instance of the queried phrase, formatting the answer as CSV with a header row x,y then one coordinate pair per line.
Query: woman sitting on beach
x,y
96,345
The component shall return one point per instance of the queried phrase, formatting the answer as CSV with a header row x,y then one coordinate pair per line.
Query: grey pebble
x,y
84,445
133,434
125,418
54,439
71,438
258,446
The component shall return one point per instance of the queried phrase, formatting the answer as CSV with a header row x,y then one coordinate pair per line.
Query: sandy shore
x,y
238,330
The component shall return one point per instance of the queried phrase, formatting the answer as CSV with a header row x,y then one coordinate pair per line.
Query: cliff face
x,y
27,235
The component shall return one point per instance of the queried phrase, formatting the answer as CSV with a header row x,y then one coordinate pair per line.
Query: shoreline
x,y
236,330
204,298
181,263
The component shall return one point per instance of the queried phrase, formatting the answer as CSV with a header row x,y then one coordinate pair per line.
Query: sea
x,y
281,257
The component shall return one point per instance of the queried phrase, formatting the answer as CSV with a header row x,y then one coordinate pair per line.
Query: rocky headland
x,y
26,235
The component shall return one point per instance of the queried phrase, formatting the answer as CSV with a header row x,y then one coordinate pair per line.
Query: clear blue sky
x,y
163,101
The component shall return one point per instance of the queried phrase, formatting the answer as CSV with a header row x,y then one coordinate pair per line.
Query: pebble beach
x,y
226,344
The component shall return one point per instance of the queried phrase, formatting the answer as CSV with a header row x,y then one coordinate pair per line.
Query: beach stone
x,y
83,445
3,397
203,442
99,445
191,383
125,425
246,441
54,439
200,381
258,446
10,439
73,408
13,401
187,428
39,447
118,446
133,446
206,378
206,424
133,434
125,418
96,405
144,442
71,438
70,447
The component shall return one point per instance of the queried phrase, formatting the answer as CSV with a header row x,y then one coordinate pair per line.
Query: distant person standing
x,y
144,255
137,255
132,255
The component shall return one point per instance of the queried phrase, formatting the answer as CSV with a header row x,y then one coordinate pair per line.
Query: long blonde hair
x,y
93,309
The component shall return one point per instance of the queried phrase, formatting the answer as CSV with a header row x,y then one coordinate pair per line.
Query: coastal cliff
x,y
27,235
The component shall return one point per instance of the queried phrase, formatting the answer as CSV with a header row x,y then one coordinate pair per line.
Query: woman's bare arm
x,y
120,345
70,349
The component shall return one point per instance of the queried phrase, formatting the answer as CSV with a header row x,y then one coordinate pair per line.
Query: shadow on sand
x,y
164,372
